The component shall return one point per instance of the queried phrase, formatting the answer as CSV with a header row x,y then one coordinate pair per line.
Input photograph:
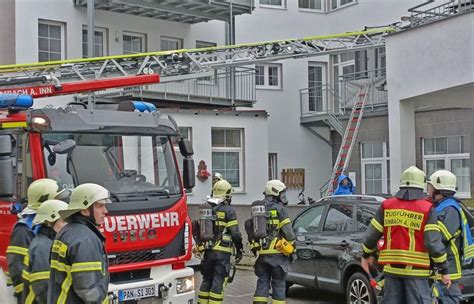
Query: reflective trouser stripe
x,y
278,301
216,298
17,250
258,300
31,296
203,297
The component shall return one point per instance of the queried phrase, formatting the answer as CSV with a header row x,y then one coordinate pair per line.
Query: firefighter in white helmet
x,y
216,177
78,254
454,229
271,235
36,272
223,234
24,230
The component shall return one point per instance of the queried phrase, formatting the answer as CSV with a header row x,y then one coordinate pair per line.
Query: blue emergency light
x,y
137,106
16,101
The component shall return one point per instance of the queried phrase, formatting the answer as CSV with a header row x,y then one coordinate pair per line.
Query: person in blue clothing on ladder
x,y
345,186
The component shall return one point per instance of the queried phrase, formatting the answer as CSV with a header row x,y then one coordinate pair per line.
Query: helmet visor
x,y
283,197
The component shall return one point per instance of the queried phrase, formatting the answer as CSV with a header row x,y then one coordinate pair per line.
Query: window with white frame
x,y
272,166
375,168
51,40
100,42
171,43
273,3
449,153
133,43
268,76
316,79
335,4
316,5
227,155
186,133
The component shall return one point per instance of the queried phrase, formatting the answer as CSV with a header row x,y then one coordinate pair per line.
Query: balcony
x,y
183,11
326,105
222,89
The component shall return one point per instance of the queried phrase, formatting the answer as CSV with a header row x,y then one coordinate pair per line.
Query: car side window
x,y
339,218
365,213
309,220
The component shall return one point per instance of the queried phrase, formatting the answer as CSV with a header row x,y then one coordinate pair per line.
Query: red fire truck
x,y
131,152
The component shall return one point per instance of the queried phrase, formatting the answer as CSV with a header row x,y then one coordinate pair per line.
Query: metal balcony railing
x,y
221,86
420,17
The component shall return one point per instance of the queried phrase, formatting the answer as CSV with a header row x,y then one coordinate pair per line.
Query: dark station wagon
x,y
329,237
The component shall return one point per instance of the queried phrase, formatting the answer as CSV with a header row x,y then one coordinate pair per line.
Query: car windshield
x,y
127,165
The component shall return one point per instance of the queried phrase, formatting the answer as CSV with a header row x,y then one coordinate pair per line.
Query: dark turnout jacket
x,y
79,267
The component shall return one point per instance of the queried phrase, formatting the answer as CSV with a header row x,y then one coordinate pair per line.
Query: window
x,y
315,87
375,168
365,213
51,41
272,166
310,4
450,153
338,3
227,155
309,221
339,218
268,76
273,3
170,43
100,45
133,43
204,44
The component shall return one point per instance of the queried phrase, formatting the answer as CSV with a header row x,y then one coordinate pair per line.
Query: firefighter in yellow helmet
x,y
24,230
218,232
412,239
36,272
79,268
454,229
271,235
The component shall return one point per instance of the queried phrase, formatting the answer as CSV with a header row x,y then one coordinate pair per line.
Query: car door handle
x,y
344,243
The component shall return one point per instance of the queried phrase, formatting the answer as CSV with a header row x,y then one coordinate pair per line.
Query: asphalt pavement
x,y
241,291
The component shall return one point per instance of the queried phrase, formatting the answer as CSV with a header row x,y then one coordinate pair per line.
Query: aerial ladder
x,y
43,79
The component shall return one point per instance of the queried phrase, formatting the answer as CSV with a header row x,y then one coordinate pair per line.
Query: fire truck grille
x,y
135,257
128,276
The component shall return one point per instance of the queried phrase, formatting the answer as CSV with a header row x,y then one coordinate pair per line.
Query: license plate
x,y
137,293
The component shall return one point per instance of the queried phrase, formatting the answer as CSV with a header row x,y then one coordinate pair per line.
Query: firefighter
x,y
273,242
408,224
24,231
441,189
36,272
216,177
225,233
79,268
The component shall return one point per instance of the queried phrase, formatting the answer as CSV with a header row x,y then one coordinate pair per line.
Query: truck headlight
x,y
185,284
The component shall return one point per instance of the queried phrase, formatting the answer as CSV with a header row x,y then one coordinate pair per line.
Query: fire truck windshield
x,y
127,165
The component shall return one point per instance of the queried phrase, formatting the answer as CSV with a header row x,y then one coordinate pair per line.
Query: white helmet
x,y
443,180
84,196
39,191
277,189
49,211
216,177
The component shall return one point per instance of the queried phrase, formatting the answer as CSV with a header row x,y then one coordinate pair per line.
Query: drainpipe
x,y
90,40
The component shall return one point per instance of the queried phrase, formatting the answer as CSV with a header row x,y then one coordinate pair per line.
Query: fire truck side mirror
x,y
189,178
6,166
185,147
64,147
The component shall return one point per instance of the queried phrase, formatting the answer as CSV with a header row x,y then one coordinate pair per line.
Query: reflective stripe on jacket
x,y
79,267
227,228
411,238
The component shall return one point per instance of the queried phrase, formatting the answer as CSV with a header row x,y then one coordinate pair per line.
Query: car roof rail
x,y
353,197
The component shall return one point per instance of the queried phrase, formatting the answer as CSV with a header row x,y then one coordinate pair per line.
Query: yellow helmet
x,y
413,178
443,180
84,196
49,211
41,190
222,189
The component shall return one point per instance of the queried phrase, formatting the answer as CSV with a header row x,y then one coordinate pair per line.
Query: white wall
x,y
432,65
255,151
296,147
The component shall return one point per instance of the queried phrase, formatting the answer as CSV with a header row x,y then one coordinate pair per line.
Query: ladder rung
x,y
341,164
359,103
343,154
349,138
352,129
345,147
362,94
355,119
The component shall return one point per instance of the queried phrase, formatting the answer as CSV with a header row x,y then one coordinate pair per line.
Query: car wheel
x,y
359,291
